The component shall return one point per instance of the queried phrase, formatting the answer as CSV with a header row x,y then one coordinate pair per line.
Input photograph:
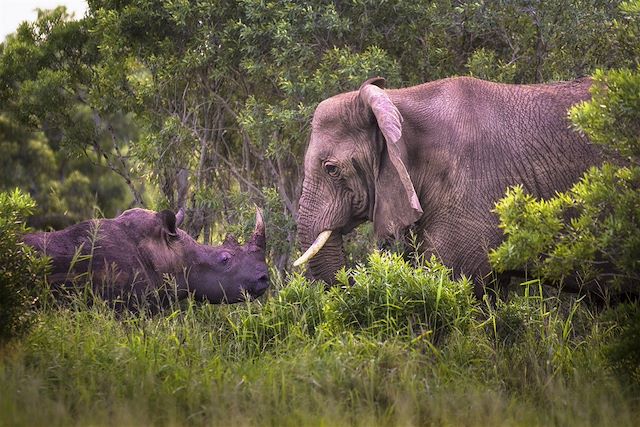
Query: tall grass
x,y
402,346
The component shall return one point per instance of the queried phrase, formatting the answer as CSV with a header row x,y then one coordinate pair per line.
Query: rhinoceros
x,y
138,255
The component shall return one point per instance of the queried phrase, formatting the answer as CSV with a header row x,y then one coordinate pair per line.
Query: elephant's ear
x,y
396,205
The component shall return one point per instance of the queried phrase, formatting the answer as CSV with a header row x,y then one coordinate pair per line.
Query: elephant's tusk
x,y
314,248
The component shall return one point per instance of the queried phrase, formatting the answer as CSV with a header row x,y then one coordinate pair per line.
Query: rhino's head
x,y
226,273
230,272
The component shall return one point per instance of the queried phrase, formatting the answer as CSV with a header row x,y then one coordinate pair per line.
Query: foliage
x,y
612,117
48,134
20,270
603,232
298,358
601,239
537,324
484,64
202,104
387,297
207,106
623,351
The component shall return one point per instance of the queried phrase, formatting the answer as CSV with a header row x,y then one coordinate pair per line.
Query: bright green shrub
x,y
20,270
389,297
612,117
604,232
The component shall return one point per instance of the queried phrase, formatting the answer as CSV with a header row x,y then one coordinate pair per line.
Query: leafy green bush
x,y
612,117
389,297
20,270
295,311
604,232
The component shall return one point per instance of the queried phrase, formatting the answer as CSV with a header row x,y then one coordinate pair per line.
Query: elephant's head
x,y
355,170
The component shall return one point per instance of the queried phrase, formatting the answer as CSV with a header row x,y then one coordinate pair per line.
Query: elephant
x,y
435,158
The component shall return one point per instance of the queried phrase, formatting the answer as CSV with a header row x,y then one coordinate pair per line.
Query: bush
x,y
295,311
20,270
602,240
385,298
389,297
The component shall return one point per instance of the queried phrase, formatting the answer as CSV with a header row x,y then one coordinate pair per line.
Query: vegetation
x,y
369,355
51,144
206,105
20,270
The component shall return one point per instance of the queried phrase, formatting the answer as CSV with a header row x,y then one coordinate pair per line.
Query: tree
x,y
57,145
20,269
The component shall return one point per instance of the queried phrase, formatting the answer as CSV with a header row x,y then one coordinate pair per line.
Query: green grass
x,y
404,346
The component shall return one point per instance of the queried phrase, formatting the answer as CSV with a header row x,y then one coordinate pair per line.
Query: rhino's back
x,y
101,247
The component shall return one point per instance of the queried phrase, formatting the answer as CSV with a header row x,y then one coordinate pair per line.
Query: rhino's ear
x,y
179,217
168,220
396,202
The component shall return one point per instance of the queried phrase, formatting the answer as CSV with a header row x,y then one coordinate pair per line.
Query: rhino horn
x,y
259,235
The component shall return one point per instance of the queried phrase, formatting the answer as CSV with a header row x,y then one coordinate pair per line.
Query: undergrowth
x,y
403,345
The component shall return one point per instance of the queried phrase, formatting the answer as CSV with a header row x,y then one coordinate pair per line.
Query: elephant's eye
x,y
332,169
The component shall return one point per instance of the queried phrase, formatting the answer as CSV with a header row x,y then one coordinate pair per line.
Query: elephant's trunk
x,y
324,265
314,248
326,262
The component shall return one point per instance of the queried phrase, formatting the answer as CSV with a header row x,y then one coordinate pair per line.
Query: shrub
x,y
296,310
601,240
385,298
389,297
20,270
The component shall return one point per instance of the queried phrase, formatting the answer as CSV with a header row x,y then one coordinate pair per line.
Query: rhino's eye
x,y
224,258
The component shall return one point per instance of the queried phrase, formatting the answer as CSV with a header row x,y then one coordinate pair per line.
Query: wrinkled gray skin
x,y
132,254
436,158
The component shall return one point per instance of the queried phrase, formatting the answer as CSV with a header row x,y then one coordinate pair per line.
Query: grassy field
x,y
404,346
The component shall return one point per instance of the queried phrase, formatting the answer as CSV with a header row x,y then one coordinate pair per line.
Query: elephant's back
x,y
505,135
492,136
